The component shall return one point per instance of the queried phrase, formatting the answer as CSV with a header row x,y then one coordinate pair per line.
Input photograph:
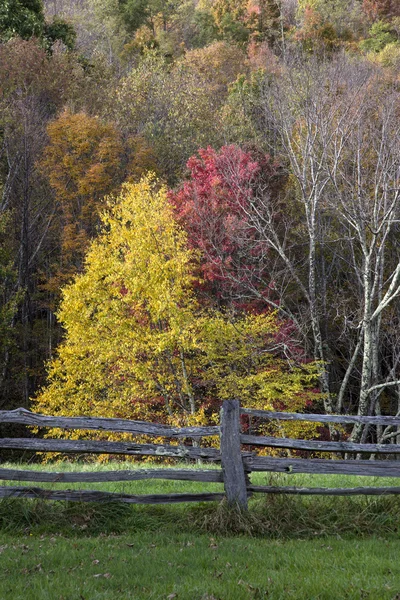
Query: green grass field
x,y
286,547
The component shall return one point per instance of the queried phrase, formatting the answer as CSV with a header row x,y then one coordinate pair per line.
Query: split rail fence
x,y
236,465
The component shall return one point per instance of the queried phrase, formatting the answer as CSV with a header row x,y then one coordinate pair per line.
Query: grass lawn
x,y
286,547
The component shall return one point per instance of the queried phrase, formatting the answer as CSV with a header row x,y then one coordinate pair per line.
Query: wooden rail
x,y
377,467
313,418
236,464
103,476
103,447
319,446
95,496
25,417
316,466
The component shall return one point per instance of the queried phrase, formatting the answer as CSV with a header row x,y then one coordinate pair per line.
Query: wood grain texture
x,y
25,417
100,476
320,446
96,447
377,468
96,496
231,456
283,416
359,491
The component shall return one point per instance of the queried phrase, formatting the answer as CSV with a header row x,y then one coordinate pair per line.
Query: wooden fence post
x,y
231,457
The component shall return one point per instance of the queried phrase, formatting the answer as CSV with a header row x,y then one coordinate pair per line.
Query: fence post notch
x,y
231,456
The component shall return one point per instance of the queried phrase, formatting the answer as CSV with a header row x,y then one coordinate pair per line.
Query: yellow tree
x,y
137,342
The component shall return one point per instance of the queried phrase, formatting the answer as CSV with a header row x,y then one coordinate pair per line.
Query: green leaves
x,y
25,19
21,17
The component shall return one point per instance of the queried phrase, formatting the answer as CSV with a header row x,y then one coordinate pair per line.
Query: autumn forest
x,y
200,200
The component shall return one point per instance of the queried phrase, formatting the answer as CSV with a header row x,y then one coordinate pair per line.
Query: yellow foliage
x,y
81,158
138,345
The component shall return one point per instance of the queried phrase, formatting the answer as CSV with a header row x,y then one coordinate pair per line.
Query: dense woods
x,y
200,200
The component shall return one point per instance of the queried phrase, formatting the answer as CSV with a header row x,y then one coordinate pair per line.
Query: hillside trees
x,y
380,9
53,179
230,17
138,344
122,31
24,18
239,21
10,298
382,34
366,191
100,34
155,14
299,108
213,206
275,219
32,85
125,29
332,20
217,66
313,231
170,108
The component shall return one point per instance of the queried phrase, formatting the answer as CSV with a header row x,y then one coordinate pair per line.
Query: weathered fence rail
x,y
103,447
312,418
104,476
236,464
25,417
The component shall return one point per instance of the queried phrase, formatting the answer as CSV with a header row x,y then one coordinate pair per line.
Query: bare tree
x,y
338,130
364,167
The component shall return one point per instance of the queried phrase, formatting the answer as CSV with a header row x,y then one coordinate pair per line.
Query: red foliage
x,y
214,206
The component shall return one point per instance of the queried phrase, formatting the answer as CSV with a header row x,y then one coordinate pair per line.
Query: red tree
x,y
215,205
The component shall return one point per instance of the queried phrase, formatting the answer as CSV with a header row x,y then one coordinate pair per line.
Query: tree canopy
x,y
26,19
138,344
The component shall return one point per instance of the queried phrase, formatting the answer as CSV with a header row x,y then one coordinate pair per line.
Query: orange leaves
x,y
82,163
83,156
